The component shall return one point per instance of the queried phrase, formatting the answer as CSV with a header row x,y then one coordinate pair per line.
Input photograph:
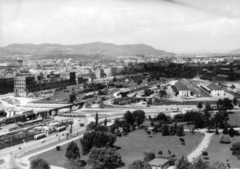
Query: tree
x,y
233,86
179,130
101,158
139,164
225,130
139,82
74,164
113,128
39,164
139,116
72,152
200,105
148,156
199,165
105,122
235,101
128,116
162,93
225,104
183,163
171,130
96,119
161,117
96,139
217,165
126,127
114,79
101,128
231,132
165,130
72,97
91,126
208,107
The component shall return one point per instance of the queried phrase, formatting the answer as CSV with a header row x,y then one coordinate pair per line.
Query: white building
x,y
213,90
216,90
182,89
159,163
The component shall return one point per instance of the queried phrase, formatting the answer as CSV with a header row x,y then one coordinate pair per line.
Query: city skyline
x,y
175,26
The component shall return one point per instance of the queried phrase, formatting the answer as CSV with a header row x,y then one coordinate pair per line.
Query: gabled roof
x,y
181,86
158,162
213,86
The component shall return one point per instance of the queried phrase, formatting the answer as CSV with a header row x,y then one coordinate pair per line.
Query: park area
x,y
221,152
132,146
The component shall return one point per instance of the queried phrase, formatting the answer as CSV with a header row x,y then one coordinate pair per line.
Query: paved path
x,y
202,146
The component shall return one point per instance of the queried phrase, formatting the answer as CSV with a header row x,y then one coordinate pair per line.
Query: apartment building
x,y
39,85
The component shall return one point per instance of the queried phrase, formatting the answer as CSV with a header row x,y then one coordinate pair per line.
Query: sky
x,y
172,25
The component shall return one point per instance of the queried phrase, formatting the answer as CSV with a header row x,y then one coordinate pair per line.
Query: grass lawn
x,y
132,147
221,152
234,119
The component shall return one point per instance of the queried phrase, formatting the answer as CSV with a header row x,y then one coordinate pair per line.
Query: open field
x,y
221,152
133,145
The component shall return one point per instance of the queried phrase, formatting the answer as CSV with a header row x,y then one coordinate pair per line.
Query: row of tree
x,y
183,163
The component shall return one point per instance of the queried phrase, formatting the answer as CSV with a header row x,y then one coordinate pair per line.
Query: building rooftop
x,y
158,162
225,69
214,86
181,86
222,76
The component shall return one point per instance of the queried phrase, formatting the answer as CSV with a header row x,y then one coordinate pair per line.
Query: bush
x,y
58,148
225,139
182,139
205,153
231,132
179,130
165,130
217,132
160,152
225,130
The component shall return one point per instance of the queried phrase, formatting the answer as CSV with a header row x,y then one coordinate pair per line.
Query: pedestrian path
x,y
202,146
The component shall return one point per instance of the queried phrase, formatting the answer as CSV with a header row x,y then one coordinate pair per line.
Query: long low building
x,y
213,89
181,89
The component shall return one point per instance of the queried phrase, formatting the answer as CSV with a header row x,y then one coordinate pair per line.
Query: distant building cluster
x,y
25,85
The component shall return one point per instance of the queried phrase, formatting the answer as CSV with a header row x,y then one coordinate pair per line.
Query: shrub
x,y
217,132
182,139
165,130
205,153
231,132
225,130
58,148
160,152
179,130
225,139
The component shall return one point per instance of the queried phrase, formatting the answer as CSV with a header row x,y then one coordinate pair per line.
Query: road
x,y
8,153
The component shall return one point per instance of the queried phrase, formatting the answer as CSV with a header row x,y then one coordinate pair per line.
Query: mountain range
x,y
95,48
236,51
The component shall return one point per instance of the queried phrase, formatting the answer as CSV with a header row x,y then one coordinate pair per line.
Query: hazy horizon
x,y
179,26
